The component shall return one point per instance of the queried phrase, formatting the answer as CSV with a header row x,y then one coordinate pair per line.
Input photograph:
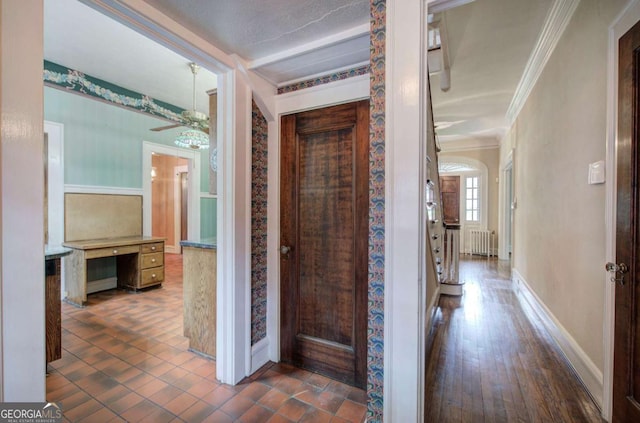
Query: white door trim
x,y
629,16
504,208
55,153
177,205
345,91
193,156
55,167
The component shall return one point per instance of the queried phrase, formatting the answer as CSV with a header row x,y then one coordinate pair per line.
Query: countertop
x,y
208,243
54,252
110,242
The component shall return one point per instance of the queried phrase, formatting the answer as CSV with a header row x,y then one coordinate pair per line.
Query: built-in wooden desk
x,y
139,261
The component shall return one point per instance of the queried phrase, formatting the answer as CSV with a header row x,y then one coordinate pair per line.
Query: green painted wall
x,y
103,145
208,217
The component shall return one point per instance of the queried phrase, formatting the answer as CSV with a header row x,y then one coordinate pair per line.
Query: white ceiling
x,y
283,40
490,42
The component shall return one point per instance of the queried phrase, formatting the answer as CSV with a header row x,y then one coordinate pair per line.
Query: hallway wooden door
x,y
324,232
626,373
450,192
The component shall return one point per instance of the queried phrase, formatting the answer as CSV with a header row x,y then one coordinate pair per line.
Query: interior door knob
x,y
617,269
285,249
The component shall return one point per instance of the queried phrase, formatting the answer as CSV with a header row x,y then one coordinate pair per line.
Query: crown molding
x,y
468,144
554,26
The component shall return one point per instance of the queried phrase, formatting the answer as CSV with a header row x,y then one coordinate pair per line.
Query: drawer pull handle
x,y
153,248
153,260
153,276
115,251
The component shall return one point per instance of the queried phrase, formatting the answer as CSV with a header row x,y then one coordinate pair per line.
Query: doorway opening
x,y
472,190
169,201
160,217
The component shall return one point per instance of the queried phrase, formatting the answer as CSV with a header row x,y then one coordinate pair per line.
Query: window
x,y
472,206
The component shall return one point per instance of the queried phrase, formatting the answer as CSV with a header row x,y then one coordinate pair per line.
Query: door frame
x,y
623,23
345,91
505,214
177,205
55,156
193,156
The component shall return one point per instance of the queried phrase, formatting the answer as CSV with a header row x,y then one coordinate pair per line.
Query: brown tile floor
x,y
124,359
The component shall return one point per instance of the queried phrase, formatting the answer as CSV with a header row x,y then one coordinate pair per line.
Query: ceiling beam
x,y
340,37
437,6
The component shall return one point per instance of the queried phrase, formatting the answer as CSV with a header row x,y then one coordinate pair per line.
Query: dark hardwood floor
x,y
489,361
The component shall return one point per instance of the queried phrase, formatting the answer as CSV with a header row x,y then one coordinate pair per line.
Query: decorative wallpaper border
x,y
325,79
259,153
59,76
375,347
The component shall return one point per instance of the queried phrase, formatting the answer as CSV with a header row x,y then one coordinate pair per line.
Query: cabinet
x,y
53,341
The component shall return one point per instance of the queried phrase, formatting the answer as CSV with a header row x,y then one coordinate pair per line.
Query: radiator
x,y
480,242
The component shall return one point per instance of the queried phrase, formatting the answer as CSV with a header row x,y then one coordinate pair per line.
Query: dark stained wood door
x,y
626,373
324,239
450,193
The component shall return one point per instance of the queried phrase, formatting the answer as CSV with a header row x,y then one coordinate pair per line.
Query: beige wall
x,y
559,246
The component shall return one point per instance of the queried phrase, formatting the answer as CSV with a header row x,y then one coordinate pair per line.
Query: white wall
x,y
21,212
559,221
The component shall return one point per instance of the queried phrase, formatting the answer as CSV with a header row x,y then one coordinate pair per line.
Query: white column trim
x,y
405,164
627,18
22,299
233,337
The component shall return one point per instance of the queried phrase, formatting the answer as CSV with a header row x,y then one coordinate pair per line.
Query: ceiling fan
x,y
191,118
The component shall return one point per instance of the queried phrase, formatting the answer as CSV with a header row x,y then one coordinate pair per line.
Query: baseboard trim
x,y
172,249
586,370
259,354
101,285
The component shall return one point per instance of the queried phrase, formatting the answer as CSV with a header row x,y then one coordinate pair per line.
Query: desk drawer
x,y
152,276
112,251
152,260
152,248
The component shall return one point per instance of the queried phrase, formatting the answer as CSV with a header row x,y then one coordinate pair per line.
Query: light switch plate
x,y
596,173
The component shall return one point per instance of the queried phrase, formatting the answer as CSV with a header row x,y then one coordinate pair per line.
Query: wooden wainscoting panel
x,y
95,216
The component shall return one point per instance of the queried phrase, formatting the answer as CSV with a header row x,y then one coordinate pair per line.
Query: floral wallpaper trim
x,y
72,80
259,152
375,336
337,76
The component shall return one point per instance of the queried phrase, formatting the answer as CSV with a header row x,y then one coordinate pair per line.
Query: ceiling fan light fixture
x,y
192,138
